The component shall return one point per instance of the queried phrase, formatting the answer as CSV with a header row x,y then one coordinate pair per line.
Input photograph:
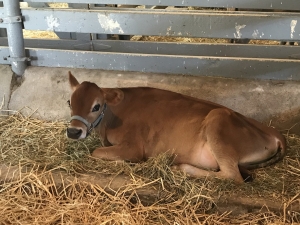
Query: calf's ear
x,y
113,96
73,82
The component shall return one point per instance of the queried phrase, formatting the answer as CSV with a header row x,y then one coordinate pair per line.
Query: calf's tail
x,y
281,152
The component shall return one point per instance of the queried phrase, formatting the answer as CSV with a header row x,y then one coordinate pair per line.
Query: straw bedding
x,y
49,179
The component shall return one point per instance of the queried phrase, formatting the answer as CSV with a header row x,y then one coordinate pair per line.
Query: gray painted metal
x,y
4,52
33,4
78,36
11,19
187,65
272,26
79,6
255,4
226,60
52,44
2,15
199,49
15,38
3,32
184,49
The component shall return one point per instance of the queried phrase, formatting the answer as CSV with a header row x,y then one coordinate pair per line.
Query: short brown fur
x,y
207,139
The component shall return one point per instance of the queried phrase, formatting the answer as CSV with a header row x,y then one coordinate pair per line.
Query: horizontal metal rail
x,y
226,60
178,10
255,4
271,26
169,48
199,49
186,65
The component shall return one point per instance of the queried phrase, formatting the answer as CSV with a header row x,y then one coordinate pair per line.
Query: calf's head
x,y
88,105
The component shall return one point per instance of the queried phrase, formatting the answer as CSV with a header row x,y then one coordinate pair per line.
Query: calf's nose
x,y
74,133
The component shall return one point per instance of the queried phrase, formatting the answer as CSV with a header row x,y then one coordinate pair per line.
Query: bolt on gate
x,y
87,29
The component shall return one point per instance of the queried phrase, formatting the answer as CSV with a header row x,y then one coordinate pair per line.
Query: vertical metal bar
x,y
15,37
2,30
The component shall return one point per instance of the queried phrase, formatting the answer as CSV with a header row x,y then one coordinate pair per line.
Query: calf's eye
x,y
69,103
96,108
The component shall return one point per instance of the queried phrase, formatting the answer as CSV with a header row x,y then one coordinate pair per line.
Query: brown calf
x,y
137,123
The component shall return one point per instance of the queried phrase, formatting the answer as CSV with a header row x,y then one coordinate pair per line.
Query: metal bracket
x,y
11,19
17,59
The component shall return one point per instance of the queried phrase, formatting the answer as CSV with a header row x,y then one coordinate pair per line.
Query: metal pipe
x,y
15,36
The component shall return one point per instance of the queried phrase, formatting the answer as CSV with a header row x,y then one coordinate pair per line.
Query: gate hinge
x,y
11,19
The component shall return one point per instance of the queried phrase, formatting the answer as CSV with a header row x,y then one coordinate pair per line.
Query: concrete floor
x,y
46,90
5,87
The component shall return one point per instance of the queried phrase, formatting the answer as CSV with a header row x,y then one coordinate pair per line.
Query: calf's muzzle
x,y
90,126
74,133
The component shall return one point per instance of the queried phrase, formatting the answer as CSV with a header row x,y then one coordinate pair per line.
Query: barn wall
x,y
274,102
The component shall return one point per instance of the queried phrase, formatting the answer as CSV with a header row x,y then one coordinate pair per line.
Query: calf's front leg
x,y
118,152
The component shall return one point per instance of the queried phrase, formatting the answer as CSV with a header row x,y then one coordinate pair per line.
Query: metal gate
x,y
86,26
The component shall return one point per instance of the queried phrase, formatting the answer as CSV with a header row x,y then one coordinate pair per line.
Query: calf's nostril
x,y
74,133
73,130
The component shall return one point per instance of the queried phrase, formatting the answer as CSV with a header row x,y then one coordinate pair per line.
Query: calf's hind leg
x,y
197,172
222,136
